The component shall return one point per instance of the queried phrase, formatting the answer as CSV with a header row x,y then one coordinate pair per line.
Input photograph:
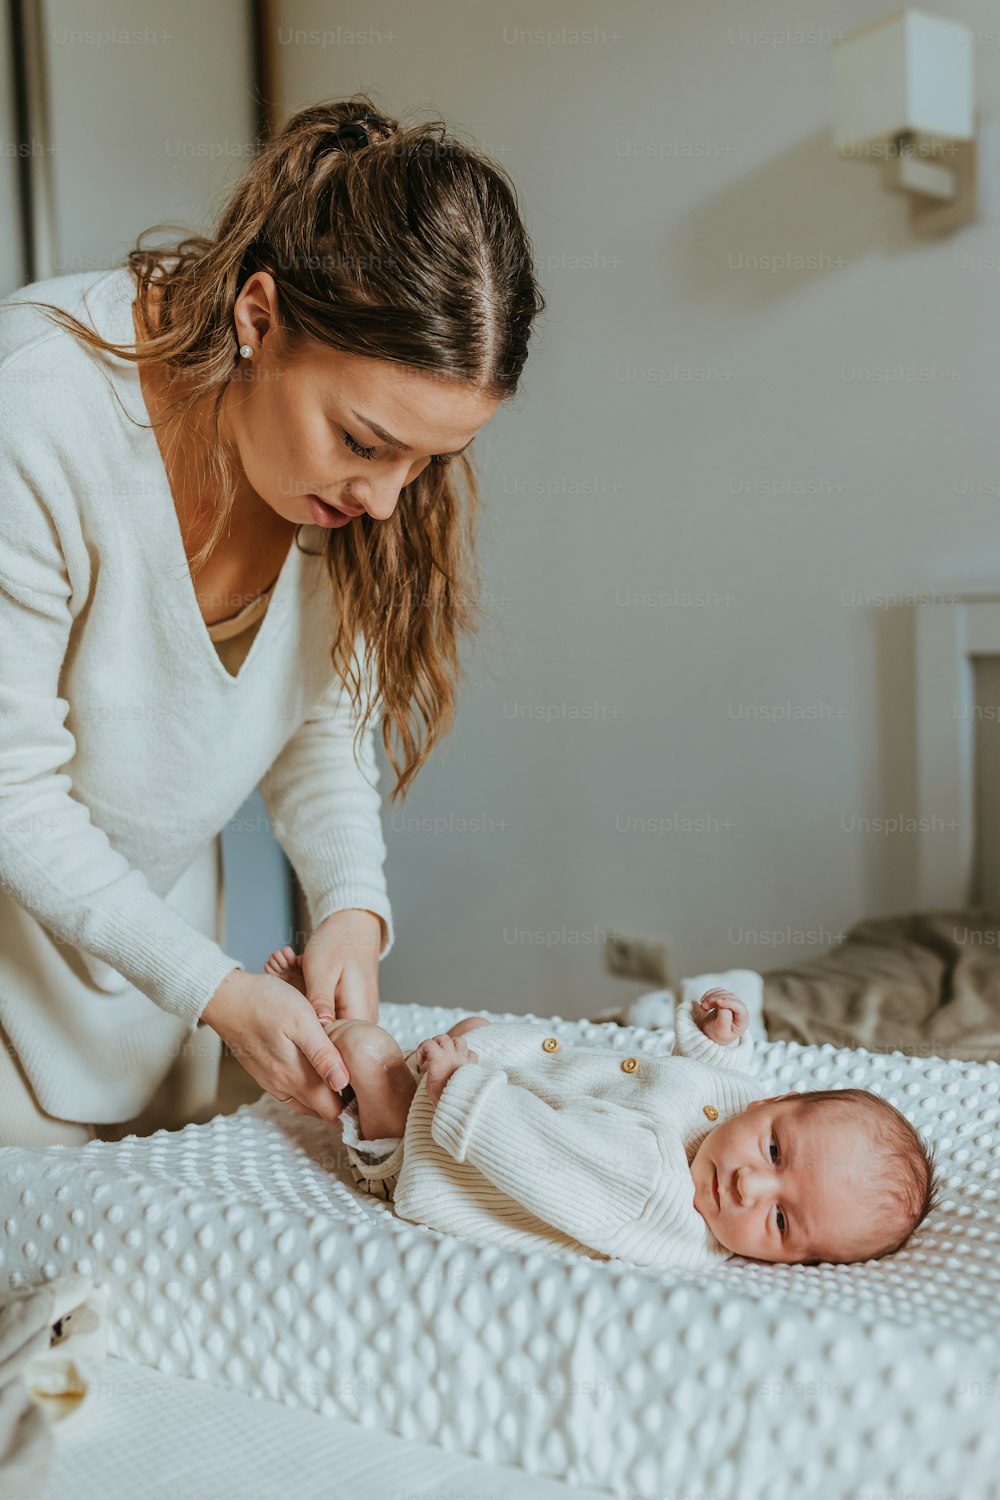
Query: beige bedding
x,y
926,983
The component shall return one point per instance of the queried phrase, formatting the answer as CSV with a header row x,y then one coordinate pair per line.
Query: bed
x,y
926,981
239,1254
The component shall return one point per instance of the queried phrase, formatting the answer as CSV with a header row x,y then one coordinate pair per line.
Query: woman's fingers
x,y
322,1071
300,1109
306,1088
323,1057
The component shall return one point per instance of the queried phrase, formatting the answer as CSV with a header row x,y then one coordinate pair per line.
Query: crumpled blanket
x,y
925,983
53,1339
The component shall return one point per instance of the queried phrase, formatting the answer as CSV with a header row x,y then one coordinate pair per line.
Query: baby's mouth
x,y
715,1188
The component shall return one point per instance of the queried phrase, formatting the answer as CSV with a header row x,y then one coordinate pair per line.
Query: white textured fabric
x,y
241,1253
542,1143
125,745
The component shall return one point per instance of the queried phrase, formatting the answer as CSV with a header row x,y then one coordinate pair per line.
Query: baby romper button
x,y
550,1044
711,1111
629,1065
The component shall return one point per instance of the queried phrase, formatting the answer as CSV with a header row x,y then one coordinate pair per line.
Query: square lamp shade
x,y
910,74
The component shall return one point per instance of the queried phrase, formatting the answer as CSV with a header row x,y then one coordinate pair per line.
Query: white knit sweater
x,y
567,1149
125,745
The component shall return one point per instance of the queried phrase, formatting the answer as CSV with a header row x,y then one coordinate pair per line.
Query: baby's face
x,y
783,1182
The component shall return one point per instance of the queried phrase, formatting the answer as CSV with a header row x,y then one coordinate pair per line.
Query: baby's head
x,y
832,1175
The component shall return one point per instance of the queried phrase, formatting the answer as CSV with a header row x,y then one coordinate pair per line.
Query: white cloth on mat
x,y
53,1341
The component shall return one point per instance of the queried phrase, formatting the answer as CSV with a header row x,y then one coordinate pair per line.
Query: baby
x,y
530,1141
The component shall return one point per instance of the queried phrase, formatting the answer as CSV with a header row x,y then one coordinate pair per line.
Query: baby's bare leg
x,y
382,1083
469,1024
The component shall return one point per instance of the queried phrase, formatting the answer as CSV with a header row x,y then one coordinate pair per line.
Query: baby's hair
x,y
914,1185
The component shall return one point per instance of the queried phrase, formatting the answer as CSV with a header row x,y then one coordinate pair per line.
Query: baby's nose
x,y
749,1185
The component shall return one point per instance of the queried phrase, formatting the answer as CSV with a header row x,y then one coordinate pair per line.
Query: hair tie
x,y
357,130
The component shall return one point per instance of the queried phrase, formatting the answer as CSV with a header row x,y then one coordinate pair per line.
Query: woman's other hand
x,y
340,966
275,1033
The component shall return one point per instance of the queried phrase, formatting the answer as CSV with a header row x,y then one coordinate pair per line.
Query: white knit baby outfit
x,y
543,1144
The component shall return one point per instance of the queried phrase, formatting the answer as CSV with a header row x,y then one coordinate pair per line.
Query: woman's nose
x,y
382,500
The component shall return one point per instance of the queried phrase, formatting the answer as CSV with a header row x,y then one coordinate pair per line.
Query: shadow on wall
x,y
805,215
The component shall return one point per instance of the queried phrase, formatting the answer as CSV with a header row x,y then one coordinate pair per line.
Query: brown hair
x,y
912,1184
410,250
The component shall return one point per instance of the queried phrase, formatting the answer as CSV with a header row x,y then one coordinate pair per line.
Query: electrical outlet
x,y
638,958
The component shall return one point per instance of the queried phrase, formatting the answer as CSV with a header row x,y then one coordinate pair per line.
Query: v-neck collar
x,y
118,289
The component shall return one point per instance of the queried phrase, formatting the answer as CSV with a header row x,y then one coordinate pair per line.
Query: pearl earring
x,y
246,350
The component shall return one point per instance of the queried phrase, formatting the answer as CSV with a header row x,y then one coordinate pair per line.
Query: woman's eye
x,y
775,1145
356,447
369,453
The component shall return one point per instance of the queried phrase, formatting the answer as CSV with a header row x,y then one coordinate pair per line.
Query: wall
x,y
695,699
696,694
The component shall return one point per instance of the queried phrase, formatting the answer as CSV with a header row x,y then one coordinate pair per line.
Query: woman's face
x,y
350,430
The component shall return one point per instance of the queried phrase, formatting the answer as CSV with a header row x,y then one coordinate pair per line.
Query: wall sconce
x,y
904,97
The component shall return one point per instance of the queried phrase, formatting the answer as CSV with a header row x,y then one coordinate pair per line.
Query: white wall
x,y
670,152
151,115
663,155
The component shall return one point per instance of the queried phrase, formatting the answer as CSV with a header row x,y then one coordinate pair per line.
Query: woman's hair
x,y
410,249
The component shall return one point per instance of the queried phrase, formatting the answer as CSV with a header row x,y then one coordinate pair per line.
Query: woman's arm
x,y
57,863
325,811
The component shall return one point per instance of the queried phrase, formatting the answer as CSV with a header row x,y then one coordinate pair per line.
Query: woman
x,y
322,364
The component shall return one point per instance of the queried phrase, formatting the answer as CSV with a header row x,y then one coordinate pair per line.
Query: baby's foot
x,y
286,964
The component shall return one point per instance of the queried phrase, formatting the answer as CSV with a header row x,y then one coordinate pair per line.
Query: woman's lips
x,y
328,515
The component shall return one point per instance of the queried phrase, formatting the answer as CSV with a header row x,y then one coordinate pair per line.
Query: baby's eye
x,y
779,1219
775,1145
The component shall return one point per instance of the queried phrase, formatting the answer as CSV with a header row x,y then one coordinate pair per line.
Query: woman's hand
x,y
274,1032
340,966
722,1016
440,1056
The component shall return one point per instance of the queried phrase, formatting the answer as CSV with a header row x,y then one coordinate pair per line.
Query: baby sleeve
x,y
691,1041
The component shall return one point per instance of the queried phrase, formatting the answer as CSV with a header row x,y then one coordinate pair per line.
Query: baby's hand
x,y
722,1016
440,1056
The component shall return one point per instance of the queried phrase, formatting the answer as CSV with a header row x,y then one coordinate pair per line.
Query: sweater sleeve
x,y
588,1167
691,1041
325,809
56,862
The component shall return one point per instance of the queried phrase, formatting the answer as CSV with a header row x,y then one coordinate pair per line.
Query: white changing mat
x,y
240,1253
